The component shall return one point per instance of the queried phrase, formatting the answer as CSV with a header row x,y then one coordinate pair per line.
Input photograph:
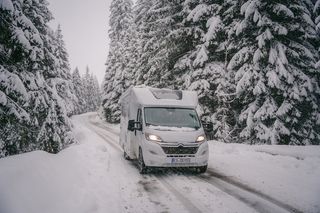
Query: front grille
x,y
180,150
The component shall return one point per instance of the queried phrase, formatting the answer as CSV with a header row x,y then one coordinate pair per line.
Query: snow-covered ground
x,y
92,176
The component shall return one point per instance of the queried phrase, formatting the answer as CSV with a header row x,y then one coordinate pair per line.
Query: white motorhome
x,y
161,128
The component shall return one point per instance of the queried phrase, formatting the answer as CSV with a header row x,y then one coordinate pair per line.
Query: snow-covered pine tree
x,y
140,39
80,106
26,98
91,91
88,90
63,81
203,63
158,54
108,85
316,12
55,126
21,89
275,73
116,77
225,115
96,92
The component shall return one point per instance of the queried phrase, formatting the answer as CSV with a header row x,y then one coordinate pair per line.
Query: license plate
x,y
180,160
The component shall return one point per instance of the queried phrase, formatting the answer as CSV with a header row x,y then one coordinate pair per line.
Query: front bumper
x,y
175,155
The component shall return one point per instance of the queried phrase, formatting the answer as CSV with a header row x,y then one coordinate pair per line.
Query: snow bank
x,y
73,181
288,173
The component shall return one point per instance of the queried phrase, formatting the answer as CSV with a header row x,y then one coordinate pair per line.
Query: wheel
x,y
202,169
143,169
126,156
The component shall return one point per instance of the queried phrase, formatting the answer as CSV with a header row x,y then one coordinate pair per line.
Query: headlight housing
x,y
152,137
201,138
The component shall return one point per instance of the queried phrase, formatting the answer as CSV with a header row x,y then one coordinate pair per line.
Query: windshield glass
x,y
171,117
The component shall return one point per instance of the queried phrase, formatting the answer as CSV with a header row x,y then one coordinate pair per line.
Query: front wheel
x,y
202,169
126,156
143,169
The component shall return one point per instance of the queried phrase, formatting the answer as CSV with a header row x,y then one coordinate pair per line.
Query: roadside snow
x,y
72,181
92,176
288,173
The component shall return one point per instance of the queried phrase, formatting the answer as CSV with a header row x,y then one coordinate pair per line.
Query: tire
x,y
126,156
143,169
202,169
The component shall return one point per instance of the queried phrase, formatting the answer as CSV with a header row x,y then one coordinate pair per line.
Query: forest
x,y
254,63
38,92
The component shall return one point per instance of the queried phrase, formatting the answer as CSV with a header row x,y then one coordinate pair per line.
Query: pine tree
x,y
20,50
96,93
316,11
26,98
203,65
80,106
229,106
274,66
56,130
87,83
140,39
158,55
116,77
91,92
63,81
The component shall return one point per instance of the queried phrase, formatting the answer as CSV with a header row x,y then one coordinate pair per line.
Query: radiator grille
x,y
180,150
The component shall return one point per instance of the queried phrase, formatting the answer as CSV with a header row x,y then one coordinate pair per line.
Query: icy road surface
x,y
93,176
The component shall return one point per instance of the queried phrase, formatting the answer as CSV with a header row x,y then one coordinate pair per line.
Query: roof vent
x,y
166,94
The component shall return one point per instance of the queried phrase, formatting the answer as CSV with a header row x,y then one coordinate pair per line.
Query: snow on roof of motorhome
x,y
148,96
166,94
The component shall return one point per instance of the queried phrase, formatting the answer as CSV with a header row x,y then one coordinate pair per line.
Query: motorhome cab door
x,y
138,134
126,137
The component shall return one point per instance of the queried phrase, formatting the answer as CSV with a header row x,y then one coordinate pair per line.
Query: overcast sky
x,y
85,27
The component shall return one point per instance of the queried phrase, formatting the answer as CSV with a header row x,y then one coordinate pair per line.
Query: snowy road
x,y
176,191
159,192
93,177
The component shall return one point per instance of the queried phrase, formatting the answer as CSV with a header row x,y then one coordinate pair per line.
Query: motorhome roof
x,y
148,96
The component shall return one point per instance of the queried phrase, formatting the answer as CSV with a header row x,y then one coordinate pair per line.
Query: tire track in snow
x,y
106,137
103,126
212,177
251,200
145,183
185,201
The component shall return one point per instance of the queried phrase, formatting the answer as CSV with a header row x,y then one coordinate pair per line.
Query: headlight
x,y
201,138
151,137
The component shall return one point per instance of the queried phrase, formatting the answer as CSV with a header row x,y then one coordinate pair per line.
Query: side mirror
x,y
207,126
134,125
131,125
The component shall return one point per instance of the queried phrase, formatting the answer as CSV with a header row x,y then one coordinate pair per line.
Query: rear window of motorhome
x,y
166,94
171,117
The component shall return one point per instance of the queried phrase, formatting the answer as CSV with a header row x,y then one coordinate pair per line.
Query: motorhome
x,y
161,128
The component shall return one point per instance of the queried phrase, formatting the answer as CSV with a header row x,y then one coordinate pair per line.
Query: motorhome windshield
x,y
171,117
